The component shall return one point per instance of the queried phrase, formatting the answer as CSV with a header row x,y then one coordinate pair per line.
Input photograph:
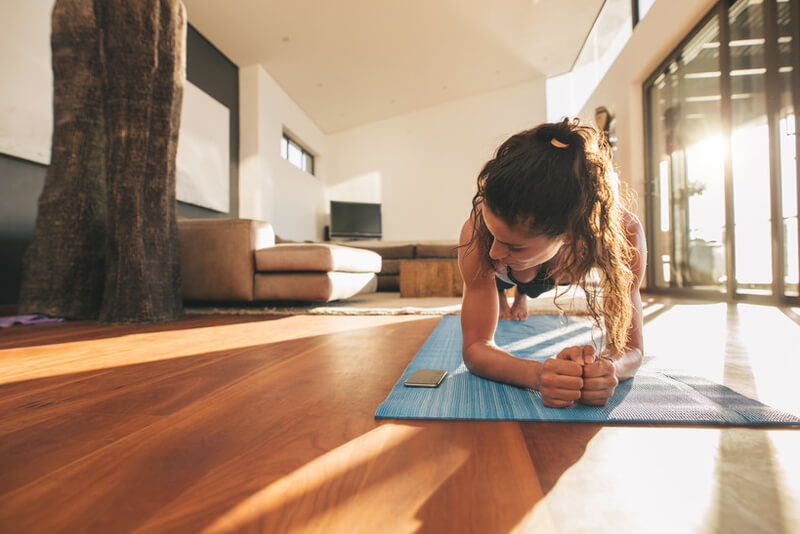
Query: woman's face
x,y
518,249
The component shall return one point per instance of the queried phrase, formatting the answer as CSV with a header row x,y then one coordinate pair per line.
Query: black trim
x,y
21,183
795,13
210,70
773,105
726,125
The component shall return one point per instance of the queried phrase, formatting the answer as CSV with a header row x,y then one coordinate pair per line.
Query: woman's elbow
x,y
471,362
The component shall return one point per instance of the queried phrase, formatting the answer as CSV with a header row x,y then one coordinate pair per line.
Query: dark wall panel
x,y
211,71
21,182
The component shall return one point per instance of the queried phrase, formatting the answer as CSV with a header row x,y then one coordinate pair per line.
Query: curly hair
x,y
553,180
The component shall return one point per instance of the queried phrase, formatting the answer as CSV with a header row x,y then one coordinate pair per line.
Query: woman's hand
x,y
562,380
599,375
599,382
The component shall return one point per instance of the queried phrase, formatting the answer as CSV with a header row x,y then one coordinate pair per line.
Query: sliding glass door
x,y
722,172
688,247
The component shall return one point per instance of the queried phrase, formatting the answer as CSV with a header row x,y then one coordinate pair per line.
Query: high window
x,y
298,156
566,94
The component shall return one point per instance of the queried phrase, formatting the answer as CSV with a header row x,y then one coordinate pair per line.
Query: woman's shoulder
x,y
634,228
471,253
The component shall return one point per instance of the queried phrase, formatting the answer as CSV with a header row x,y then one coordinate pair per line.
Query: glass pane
x,y
750,149
284,148
308,163
688,167
644,7
609,34
295,155
787,147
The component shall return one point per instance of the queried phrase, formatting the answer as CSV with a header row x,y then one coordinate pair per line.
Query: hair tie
x,y
558,144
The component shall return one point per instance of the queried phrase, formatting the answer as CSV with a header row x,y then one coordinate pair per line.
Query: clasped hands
x,y
577,374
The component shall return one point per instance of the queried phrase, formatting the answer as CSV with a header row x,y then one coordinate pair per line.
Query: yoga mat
x,y
650,397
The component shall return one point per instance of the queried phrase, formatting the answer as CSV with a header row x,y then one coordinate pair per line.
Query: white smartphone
x,y
426,378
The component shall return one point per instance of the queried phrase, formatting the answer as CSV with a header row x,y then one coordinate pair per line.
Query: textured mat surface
x,y
650,397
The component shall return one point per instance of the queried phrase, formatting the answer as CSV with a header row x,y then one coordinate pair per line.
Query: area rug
x,y
651,397
391,303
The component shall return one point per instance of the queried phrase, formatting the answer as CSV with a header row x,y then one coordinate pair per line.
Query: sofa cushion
x,y
437,249
217,257
322,257
313,286
389,250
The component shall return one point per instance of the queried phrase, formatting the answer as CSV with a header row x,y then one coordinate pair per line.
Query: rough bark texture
x,y
106,242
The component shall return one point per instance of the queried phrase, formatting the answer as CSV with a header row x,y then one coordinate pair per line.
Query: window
x,y
722,166
641,7
296,154
566,94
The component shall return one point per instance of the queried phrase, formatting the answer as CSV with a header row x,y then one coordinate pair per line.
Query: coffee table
x,y
430,278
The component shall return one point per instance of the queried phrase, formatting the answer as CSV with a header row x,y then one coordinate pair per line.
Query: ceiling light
x,y
698,75
748,72
738,42
709,98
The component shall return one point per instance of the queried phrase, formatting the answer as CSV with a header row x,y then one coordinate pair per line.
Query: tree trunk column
x,y
63,268
143,85
111,206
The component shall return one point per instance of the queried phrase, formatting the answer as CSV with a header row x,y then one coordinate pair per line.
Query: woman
x,y
546,214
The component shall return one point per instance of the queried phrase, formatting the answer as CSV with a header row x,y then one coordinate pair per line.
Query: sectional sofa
x,y
234,260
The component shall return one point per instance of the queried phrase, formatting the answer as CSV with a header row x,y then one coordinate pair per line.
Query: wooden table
x,y
430,278
259,424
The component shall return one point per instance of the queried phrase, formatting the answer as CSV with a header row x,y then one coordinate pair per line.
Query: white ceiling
x,y
350,62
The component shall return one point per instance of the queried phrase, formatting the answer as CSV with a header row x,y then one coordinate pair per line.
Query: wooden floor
x,y
259,424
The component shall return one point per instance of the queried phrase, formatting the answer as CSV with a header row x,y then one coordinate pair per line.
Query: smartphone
x,y
426,378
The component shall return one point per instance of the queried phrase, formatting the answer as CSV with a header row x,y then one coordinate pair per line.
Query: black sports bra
x,y
540,283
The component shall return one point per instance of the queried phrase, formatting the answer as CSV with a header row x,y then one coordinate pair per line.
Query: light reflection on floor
x,y
56,359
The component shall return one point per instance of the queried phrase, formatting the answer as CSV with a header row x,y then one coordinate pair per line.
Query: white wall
x,y
422,166
26,80
270,188
664,26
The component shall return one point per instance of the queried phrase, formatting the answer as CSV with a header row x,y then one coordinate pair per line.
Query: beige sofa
x,y
238,260
394,252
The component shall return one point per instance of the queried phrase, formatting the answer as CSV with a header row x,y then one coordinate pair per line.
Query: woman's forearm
x,y
626,365
486,360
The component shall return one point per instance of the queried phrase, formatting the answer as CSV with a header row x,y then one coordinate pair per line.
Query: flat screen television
x,y
355,220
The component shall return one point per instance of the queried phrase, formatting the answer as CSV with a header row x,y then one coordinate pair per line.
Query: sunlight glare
x,y
771,341
680,335
694,457
24,363
575,325
364,467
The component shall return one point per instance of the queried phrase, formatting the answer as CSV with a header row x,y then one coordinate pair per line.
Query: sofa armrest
x,y
217,257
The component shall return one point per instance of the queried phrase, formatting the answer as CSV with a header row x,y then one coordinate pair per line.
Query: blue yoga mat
x,y
650,397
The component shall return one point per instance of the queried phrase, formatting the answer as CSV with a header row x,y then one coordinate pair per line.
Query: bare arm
x,y
631,359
